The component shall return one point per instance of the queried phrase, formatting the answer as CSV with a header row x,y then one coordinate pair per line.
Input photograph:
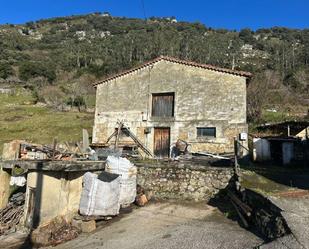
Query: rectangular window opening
x,y
163,104
206,132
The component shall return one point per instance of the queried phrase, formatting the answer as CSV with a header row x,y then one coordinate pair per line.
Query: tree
x,y
256,97
29,70
79,90
246,35
52,96
5,70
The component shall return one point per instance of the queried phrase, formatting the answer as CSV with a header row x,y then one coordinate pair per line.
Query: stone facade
x,y
198,183
202,98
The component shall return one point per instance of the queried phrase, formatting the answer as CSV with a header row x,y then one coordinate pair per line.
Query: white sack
x,y
127,171
98,197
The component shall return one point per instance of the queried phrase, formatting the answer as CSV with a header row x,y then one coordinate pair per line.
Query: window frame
x,y
200,135
163,94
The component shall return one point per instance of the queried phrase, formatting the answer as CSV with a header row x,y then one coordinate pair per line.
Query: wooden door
x,y
162,142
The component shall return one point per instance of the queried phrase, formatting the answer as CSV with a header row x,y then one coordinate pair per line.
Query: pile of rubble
x,y
12,213
22,150
55,232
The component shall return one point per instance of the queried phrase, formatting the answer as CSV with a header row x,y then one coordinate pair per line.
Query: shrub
x,y
29,70
5,70
78,101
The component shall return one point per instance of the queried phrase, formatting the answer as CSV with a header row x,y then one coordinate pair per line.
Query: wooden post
x,y
54,148
117,135
235,156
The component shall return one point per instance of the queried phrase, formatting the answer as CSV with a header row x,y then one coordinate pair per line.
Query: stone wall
x,y
190,182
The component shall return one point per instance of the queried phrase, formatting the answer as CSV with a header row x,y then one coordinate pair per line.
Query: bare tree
x,y
53,96
257,94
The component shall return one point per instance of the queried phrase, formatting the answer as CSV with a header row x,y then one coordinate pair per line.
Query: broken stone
x,y
141,200
40,238
88,226
53,233
77,224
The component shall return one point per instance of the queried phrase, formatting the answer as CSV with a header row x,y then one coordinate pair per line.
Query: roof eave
x,y
247,75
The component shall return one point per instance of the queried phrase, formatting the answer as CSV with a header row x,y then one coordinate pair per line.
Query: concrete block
x,y
4,188
11,150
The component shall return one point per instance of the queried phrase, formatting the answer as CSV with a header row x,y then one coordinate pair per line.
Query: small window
x,y
163,104
207,132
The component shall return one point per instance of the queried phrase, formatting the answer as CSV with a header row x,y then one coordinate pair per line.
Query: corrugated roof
x,y
175,60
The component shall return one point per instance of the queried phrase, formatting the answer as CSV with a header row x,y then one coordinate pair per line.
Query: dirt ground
x,y
168,225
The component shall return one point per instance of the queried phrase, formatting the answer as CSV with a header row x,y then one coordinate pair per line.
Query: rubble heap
x,y
12,213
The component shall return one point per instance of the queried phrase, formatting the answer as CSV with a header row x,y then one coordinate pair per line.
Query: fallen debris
x,y
211,155
256,209
54,233
22,150
242,218
88,226
141,198
243,206
123,129
12,213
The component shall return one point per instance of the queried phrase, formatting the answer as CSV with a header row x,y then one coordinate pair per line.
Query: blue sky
x,y
231,14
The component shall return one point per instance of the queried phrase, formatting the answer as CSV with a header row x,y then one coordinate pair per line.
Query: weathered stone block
x,y
4,188
88,226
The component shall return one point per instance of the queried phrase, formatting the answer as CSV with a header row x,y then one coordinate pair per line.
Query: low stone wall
x,y
183,182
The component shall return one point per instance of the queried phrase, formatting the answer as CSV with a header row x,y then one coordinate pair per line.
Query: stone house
x,y
167,99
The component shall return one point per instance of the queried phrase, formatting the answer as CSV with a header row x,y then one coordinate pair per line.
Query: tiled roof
x,y
184,62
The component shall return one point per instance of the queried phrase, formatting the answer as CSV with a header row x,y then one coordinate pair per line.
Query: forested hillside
x,y
57,59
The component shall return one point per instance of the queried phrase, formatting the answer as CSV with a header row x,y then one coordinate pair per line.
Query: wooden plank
x,y
244,221
246,209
